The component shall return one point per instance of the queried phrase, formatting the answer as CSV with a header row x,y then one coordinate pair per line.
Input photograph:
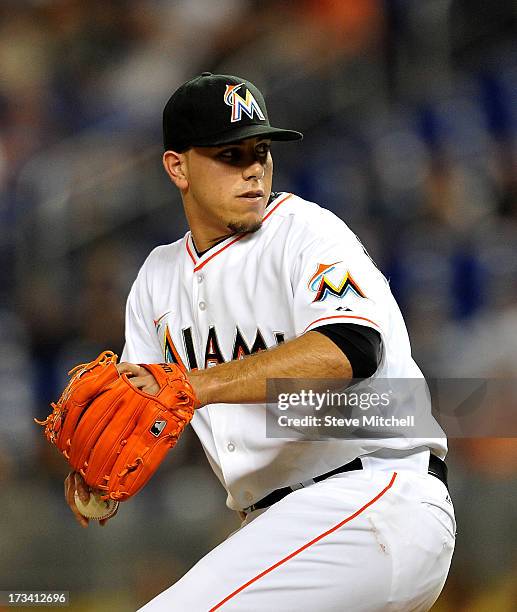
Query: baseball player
x,y
266,285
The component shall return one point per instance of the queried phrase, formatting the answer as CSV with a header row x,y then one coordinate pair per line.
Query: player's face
x,y
228,187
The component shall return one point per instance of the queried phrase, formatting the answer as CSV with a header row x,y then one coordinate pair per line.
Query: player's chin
x,y
249,223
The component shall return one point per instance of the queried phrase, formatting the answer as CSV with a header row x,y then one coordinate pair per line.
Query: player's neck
x,y
201,252
204,234
205,241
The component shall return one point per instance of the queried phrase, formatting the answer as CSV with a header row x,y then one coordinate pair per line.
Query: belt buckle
x,y
249,509
302,485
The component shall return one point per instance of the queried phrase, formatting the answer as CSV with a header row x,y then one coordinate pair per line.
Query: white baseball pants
x,y
377,539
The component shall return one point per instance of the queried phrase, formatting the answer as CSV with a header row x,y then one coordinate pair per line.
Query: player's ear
x,y
174,165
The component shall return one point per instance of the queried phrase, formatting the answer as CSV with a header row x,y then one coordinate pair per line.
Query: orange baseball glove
x,y
112,433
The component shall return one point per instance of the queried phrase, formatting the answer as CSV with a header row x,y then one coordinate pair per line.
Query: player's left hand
x,y
115,433
139,377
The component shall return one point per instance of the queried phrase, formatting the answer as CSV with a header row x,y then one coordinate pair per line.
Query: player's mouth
x,y
252,196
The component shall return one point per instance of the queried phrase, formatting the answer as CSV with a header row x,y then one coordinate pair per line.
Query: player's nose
x,y
255,170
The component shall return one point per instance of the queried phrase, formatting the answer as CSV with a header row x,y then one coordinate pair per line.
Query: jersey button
x,y
230,446
200,278
202,305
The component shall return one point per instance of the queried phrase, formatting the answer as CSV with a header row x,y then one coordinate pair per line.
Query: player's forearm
x,y
312,355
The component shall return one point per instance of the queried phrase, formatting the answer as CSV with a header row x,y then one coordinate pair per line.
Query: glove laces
x,y
52,423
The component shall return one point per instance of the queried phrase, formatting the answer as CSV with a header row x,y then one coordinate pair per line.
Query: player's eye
x,y
229,155
262,149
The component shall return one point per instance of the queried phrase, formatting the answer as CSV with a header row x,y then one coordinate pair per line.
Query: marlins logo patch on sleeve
x,y
332,280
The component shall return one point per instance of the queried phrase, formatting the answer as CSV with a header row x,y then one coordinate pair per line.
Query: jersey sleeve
x,y
362,346
142,345
334,280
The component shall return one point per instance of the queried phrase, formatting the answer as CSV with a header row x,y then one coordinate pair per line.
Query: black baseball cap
x,y
216,109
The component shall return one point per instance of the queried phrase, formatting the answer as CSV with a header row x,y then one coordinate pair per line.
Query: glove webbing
x,y
52,423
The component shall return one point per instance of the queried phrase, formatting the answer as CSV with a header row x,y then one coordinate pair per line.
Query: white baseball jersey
x,y
304,268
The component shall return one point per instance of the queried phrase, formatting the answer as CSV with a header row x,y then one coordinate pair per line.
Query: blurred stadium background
x,y
409,108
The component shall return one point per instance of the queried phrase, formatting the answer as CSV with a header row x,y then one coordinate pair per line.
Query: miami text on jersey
x,y
213,353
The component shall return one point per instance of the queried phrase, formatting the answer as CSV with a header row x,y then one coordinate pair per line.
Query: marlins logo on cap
x,y
196,114
249,105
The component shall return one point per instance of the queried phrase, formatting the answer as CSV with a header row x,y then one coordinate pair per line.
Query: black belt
x,y
437,468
